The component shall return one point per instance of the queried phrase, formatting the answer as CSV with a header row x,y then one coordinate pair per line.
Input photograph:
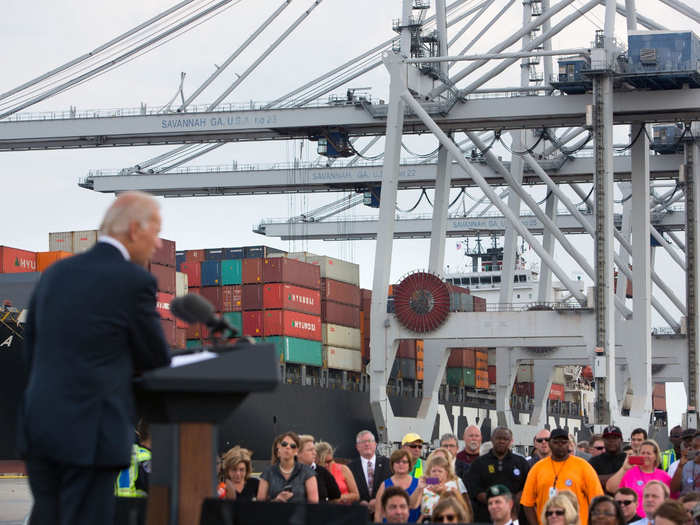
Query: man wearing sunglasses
x,y
597,445
673,453
413,443
610,461
627,499
541,444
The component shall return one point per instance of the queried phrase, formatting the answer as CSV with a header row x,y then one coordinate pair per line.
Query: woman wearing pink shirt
x,y
636,476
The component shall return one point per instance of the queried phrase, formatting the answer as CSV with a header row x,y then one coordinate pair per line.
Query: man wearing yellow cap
x,y
413,443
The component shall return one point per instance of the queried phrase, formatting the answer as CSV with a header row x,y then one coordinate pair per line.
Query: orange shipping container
x,y
419,349
481,380
13,260
46,259
419,369
481,359
556,393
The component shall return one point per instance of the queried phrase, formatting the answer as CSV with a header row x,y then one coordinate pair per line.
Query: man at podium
x,y
92,323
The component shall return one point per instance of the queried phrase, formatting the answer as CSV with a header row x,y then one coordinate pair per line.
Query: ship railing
x,y
532,306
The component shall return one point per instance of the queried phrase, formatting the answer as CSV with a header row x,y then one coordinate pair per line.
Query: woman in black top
x,y
234,471
287,480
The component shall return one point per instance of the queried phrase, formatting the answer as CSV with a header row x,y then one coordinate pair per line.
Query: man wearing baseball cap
x,y
610,461
413,443
560,471
500,502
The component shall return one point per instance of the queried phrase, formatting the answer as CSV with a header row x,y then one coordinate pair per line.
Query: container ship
x,y
313,310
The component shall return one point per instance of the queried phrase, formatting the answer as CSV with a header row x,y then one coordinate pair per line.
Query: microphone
x,y
193,308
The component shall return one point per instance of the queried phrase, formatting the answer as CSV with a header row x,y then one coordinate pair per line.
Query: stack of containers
x,y
74,241
14,260
468,367
524,381
492,366
658,397
481,379
365,306
162,266
46,259
340,311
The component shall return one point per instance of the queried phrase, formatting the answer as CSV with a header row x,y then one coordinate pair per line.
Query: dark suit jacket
x,y
382,471
92,322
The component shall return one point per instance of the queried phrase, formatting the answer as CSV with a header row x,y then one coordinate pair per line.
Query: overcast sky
x,y
39,189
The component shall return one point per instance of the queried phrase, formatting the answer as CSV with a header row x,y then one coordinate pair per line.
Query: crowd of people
x,y
601,481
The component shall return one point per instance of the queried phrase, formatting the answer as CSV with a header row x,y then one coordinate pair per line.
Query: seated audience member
x,y
341,473
499,501
654,494
670,513
394,505
627,499
450,510
328,489
559,511
286,479
234,472
604,511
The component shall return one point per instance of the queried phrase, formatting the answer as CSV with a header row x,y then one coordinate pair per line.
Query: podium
x,y
183,405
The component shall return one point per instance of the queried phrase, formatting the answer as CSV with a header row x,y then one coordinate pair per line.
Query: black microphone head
x,y
192,308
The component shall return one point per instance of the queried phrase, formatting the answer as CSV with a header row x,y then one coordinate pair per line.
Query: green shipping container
x,y
235,319
469,377
455,376
231,272
297,351
193,343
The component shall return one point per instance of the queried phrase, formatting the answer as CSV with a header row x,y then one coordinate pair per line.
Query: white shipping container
x,y
558,375
342,358
181,287
331,268
525,374
84,240
61,241
342,336
492,356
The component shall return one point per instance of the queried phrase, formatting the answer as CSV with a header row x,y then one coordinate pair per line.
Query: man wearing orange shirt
x,y
559,471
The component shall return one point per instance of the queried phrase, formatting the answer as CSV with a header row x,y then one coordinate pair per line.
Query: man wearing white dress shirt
x,y
369,469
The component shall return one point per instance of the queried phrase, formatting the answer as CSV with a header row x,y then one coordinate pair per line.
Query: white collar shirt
x,y
114,242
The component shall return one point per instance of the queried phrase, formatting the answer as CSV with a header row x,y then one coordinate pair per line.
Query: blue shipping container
x,y
214,254
260,252
234,253
179,259
211,273
663,51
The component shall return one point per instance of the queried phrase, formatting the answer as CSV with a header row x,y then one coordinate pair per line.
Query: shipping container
x,y
235,319
407,368
46,259
658,403
481,358
165,255
194,255
211,273
339,292
291,271
179,259
231,271
197,331
659,389
419,369
214,295
492,374
556,393
193,344
462,358
214,254
252,297
419,348
234,253
297,351
61,241
481,379
469,377
455,376
289,297
479,304
253,323
331,268
168,330
252,271
365,350
165,275
525,374
525,389
14,260
261,252
180,337
83,240
231,300
193,270
163,301
342,314
341,336
460,299
292,324
181,284
407,349
342,358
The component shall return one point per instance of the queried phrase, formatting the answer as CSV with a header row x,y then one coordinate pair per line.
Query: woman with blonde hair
x,y
559,511
349,492
442,451
451,510
234,475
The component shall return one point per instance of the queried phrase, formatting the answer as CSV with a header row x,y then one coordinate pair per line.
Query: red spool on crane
x,y
421,302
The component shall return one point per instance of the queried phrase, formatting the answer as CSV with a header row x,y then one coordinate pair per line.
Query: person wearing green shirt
x,y
413,443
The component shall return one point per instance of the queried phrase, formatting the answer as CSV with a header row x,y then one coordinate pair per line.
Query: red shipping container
x,y
339,292
214,295
194,255
365,350
342,314
165,255
283,270
13,260
525,389
407,349
179,323
659,390
479,304
289,297
253,323
492,375
194,273
658,403
180,337
292,324
231,298
556,393
252,297
169,330
252,271
163,301
165,275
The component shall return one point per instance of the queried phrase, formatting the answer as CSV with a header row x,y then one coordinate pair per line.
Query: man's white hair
x,y
129,207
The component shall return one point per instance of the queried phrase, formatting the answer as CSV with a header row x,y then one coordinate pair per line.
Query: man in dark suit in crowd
x,y
369,470
92,323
